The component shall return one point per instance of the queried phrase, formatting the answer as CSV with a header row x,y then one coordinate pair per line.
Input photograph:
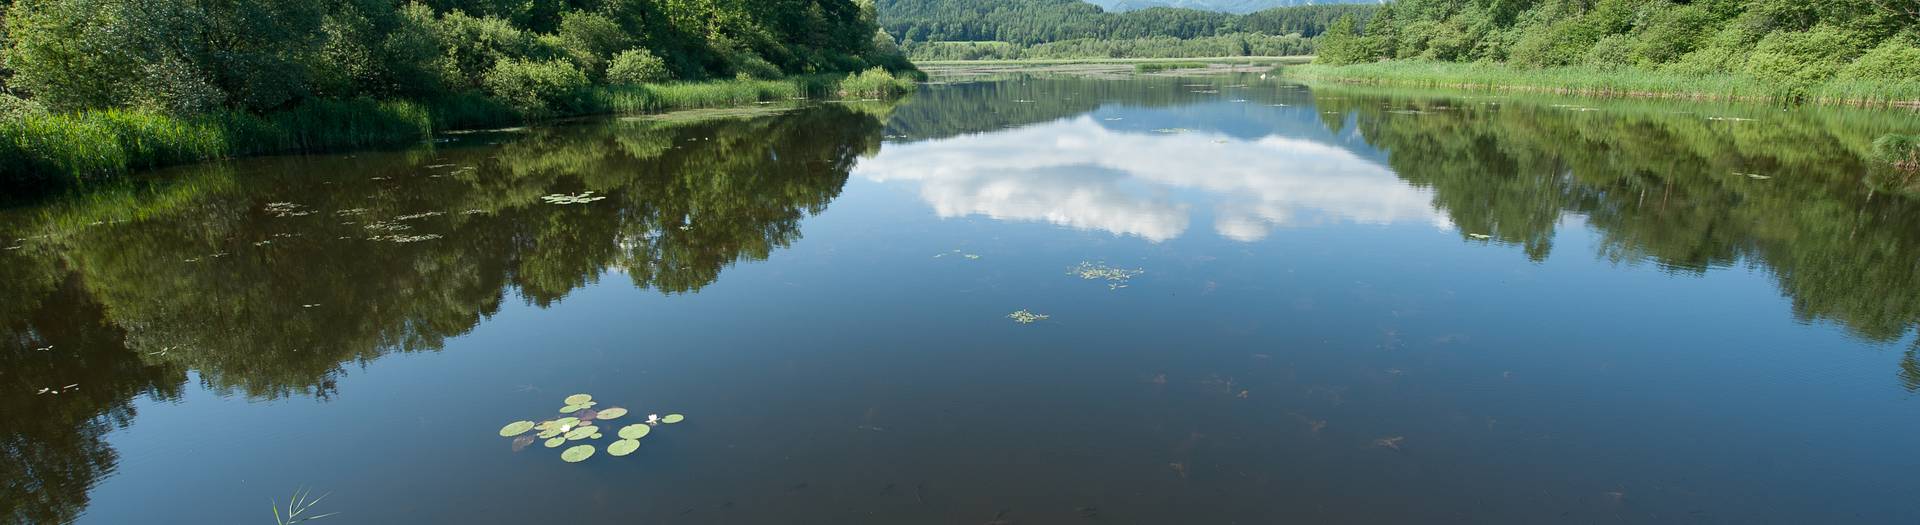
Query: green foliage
x,y
1897,60
1897,149
1032,22
42,149
1342,44
590,39
637,66
874,83
1155,67
538,89
189,57
1798,59
1793,48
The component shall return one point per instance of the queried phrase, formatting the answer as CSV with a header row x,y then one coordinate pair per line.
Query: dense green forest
x,y
1789,44
93,87
1033,22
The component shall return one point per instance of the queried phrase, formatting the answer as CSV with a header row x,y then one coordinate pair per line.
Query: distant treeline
x,y
1239,44
1033,22
1792,44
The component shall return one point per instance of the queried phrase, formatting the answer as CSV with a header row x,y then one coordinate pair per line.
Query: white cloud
x,y
1079,174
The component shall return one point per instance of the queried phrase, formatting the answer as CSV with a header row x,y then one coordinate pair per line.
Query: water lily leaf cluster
x,y
577,426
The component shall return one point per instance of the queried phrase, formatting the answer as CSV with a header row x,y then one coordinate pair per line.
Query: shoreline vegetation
x,y
92,91
88,146
1604,83
1846,52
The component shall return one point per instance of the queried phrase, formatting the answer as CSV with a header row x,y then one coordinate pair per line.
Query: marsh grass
x,y
1156,67
1619,82
39,151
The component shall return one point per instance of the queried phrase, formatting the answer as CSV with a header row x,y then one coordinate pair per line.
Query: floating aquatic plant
x,y
623,447
1025,317
577,427
516,428
1116,277
577,454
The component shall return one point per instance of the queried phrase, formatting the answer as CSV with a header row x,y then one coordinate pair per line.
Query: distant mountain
x,y
1223,6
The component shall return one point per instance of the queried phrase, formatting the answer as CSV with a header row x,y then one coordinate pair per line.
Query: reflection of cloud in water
x,y
1077,173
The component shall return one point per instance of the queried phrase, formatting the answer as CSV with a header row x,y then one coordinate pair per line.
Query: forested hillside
x,y
1790,44
1031,22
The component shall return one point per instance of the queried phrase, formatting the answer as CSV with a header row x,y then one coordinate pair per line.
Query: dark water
x,y
1356,307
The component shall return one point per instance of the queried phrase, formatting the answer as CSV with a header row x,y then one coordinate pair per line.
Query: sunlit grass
x,y
1606,82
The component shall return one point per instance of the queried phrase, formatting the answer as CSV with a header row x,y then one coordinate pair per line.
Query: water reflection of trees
x,y
1675,189
207,276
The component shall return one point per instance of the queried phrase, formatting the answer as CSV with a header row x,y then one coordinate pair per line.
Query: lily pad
x,y
516,428
635,431
581,433
623,447
573,408
578,399
567,421
672,418
551,432
596,435
611,413
555,442
577,454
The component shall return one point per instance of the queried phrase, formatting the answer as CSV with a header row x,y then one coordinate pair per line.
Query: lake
x,y
1010,298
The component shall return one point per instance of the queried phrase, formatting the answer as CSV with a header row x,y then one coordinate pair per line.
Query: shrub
x,y
637,66
538,89
1612,52
1897,60
589,38
748,65
1672,34
473,46
1796,60
1900,150
14,108
874,83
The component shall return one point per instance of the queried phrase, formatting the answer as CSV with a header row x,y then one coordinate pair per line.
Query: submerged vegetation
x,y
91,90
1846,51
299,505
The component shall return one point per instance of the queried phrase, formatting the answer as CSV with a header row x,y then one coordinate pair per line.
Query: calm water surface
x,y
1353,307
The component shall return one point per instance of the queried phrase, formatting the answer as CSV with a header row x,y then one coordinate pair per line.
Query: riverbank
x,y
1070,61
1625,82
44,151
